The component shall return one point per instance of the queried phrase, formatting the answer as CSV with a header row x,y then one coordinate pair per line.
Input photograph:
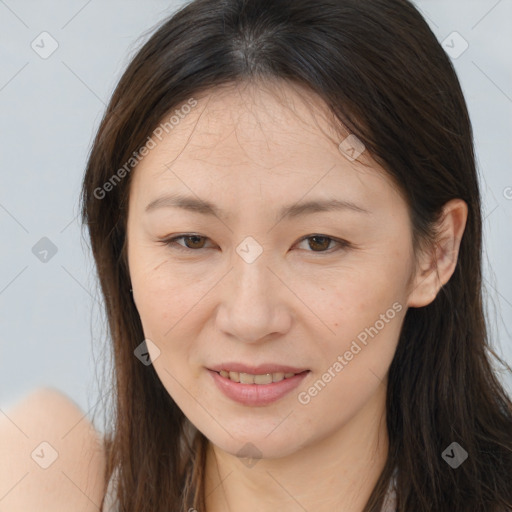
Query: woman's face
x,y
250,289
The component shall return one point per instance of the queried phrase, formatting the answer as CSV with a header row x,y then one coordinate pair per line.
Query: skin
x,y
69,468
251,150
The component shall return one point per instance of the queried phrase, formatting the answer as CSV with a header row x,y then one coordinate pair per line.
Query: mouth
x,y
256,386
260,374
258,379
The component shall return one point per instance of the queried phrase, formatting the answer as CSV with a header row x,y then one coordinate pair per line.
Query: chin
x,y
259,444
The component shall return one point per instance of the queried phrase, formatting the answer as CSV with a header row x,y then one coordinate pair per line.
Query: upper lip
x,y
261,369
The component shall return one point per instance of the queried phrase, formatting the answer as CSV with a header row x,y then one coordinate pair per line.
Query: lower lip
x,y
256,394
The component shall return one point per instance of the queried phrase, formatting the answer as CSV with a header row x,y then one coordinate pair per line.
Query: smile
x,y
256,389
249,378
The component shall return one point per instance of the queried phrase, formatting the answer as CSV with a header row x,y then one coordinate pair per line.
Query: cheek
x,y
352,300
364,312
173,310
354,364
162,294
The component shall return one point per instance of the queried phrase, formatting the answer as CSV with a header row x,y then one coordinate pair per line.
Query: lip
x,y
257,395
261,369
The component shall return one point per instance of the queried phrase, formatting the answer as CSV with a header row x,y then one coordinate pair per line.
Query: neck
x,y
337,472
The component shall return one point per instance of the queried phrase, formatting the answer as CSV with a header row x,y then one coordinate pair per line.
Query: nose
x,y
255,304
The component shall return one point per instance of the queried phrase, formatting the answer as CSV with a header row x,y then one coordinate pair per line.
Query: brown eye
x,y
194,241
319,243
191,242
315,243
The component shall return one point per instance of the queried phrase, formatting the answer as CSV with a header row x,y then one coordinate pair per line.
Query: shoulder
x,y
50,455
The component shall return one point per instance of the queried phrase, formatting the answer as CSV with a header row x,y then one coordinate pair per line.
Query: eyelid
x,y
172,242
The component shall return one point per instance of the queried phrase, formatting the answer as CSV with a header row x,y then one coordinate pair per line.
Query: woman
x,y
285,216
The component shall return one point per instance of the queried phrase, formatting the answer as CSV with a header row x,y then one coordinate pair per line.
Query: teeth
x,y
248,378
277,377
263,379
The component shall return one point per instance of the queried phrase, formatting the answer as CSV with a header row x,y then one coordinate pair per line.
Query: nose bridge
x,y
252,307
252,278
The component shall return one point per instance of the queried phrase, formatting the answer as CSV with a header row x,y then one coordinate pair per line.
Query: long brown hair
x,y
384,76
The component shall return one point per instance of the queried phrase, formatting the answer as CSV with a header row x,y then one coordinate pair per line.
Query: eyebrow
x,y
294,210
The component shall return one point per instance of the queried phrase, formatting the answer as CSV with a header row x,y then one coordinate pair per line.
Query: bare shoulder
x,y
51,456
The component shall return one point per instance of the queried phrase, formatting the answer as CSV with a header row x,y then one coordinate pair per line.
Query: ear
x,y
435,269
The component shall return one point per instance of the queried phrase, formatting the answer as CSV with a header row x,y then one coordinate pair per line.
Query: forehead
x,y
261,139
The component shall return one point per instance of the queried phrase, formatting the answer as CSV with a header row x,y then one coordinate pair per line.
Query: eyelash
x,y
172,243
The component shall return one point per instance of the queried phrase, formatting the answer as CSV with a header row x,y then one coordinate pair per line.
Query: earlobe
x,y
436,268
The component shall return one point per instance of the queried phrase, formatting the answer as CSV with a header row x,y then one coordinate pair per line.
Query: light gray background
x,y
52,327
